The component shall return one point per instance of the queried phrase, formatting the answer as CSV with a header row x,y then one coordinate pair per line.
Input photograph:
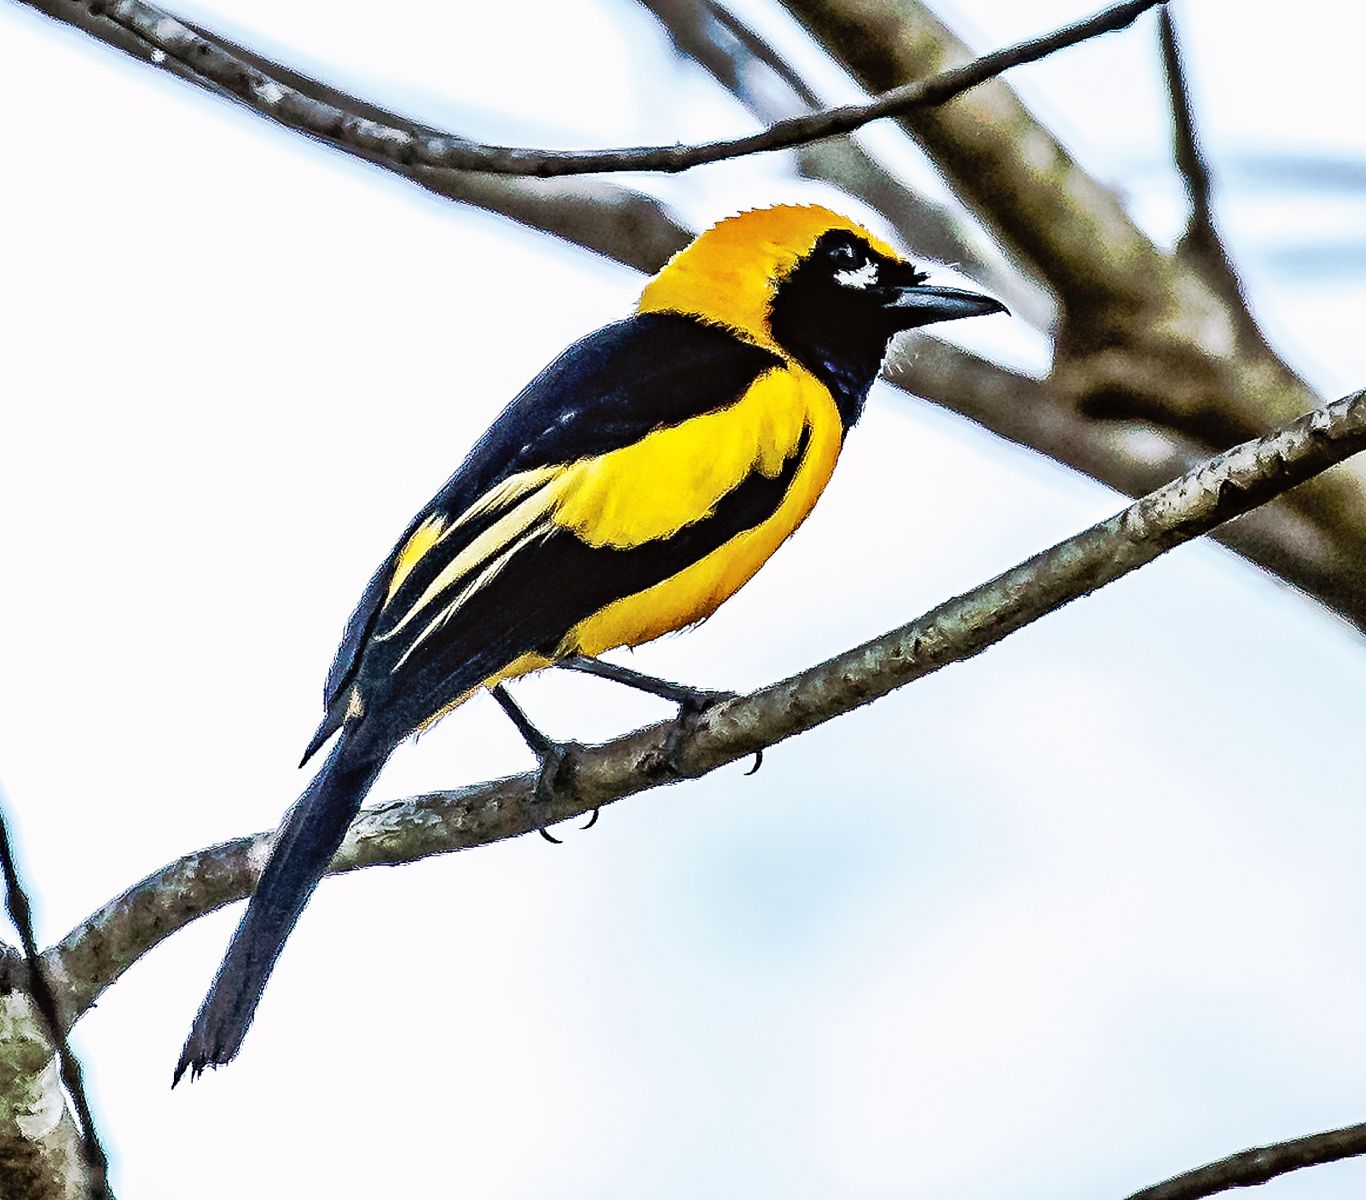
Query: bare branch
x,y
94,1179
1253,1167
1190,161
757,50
1131,456
97,952
209,59
41,1149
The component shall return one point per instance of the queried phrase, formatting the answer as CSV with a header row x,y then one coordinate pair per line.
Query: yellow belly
x,y
767,425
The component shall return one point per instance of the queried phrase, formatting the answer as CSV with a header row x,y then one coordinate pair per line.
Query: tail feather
x,y
308,839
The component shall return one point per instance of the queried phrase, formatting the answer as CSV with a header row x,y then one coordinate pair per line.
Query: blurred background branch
x,y
1200,242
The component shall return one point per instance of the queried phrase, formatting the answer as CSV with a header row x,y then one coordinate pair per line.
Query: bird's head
x,y
811,285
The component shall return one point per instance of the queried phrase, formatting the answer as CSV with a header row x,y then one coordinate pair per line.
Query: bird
x,y
633,486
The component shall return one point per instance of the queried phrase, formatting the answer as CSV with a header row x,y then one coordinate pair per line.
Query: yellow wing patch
x,y
425,536
674,476
514,487
481,580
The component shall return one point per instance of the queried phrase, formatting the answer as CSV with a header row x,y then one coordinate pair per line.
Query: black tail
x,y
309,836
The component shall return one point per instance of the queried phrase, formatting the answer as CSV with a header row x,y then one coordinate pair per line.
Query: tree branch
x,y
1186,145
412,147
52,1170
94,954
1252,1167
41,1150
1131,456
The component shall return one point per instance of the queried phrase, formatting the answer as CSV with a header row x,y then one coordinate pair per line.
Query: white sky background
x,y
1055,923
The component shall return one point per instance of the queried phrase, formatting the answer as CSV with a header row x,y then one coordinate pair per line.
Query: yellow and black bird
x,y
635,484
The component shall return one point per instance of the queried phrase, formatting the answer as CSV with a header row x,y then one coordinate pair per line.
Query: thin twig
x,y
1190,160
21,913
274,98
100,949
613,220
1260,1165
1201,241
760,51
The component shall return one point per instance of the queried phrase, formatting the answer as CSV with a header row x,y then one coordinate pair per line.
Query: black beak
x,y
919,304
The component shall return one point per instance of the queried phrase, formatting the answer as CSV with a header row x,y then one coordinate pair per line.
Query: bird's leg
x,y
688,699
692,702
556,758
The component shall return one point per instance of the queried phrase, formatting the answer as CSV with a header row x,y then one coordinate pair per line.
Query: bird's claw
x,y
557,773
691,709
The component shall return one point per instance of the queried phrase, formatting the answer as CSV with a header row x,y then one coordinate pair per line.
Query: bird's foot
x,y
692,703
556,776
693,706
558,761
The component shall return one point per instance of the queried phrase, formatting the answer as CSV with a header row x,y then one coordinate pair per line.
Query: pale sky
x,y
1055,923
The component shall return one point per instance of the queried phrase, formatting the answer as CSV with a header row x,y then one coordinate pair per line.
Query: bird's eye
x,y
845,254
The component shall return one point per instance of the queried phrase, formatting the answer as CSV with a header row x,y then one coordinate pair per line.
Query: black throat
x,y
842,347
848,375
